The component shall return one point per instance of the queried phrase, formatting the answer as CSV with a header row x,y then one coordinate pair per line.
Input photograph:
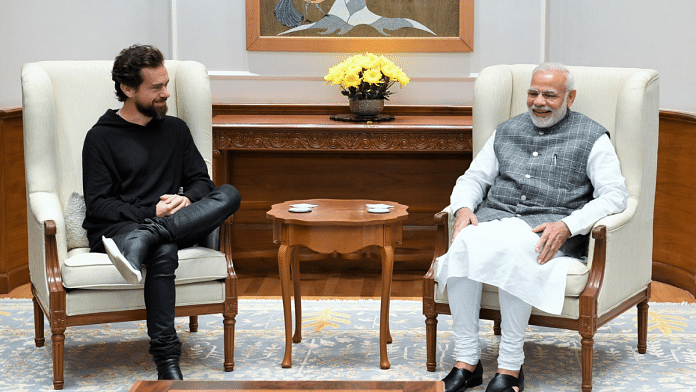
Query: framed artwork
x,y
360,25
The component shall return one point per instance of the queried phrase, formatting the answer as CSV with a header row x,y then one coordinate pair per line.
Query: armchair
x,y
70,285
625,101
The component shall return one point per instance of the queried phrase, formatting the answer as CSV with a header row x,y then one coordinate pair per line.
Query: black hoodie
x,y
126,167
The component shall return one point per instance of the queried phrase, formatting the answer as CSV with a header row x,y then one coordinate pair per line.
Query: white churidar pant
x,y
465,323
499,253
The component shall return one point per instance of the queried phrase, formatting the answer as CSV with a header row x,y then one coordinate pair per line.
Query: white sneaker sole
x,y
122,265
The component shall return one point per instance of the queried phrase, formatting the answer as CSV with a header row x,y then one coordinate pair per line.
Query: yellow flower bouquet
x,y
366,77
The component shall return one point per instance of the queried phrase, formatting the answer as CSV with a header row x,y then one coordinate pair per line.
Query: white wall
x,y
624,33
631,33
36,30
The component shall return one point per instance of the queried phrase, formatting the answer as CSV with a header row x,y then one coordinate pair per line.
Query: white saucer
x,y
379,206
300,209
303,205
378,210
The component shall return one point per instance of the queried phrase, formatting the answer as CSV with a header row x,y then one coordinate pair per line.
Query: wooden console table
x,y
273,153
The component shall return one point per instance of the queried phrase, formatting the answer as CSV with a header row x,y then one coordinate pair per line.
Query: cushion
x,y
74,213
87,270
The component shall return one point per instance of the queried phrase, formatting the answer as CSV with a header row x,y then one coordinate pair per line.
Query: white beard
x,y
555,117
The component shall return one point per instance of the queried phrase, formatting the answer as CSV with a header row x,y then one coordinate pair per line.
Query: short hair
x,y
130,62
570,79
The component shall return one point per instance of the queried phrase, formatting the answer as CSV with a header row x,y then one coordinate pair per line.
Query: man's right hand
x,y
464,217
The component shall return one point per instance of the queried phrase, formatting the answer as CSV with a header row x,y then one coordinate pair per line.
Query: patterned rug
x,y
341,342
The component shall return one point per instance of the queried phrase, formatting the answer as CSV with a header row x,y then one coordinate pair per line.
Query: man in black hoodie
x,y
148,193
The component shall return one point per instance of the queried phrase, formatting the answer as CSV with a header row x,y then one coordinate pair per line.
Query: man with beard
x,y
547,176
148,193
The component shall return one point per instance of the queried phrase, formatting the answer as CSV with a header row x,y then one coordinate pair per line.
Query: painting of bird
x,y
286,13
343,16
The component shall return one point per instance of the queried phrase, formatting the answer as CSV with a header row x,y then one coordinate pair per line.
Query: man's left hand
x,y
553,237
174,203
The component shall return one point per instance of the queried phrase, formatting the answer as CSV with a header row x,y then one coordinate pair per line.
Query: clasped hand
x,y
554,234
170,204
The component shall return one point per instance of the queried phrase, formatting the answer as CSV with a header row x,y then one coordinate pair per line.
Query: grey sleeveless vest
x,y
543,173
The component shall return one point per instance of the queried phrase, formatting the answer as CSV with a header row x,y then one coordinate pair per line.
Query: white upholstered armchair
x,y
618,272
70,285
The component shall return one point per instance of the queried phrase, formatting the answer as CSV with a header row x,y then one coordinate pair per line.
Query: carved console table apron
x,y
273,153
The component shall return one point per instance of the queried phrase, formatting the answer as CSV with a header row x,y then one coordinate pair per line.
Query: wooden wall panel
x,y
674,251
14,269
421,182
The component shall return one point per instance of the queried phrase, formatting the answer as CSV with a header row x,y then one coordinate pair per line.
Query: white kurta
x,y
501,253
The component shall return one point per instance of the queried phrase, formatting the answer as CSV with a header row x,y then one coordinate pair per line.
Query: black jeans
x,y
187,227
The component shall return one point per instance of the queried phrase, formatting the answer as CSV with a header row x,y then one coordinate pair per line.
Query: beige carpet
x,y
341,342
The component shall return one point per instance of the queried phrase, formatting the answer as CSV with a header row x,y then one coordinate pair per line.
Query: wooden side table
x,y
341,226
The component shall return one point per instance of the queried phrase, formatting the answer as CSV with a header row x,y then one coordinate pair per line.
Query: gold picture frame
x,y
258,16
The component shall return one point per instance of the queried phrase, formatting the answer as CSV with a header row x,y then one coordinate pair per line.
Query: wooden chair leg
x,y
193,323
642,327
228,332
39,338
430,342
58,338
587,343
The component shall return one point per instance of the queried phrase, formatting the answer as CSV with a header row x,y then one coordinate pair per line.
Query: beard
x,y
150,110
553,119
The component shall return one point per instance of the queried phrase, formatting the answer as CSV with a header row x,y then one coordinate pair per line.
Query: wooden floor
x,y
356,284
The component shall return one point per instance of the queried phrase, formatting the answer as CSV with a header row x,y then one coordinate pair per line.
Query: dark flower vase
x,y
366,107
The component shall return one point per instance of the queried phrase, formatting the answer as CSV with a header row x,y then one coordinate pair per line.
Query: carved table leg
x,y
384,335
295,266
284,262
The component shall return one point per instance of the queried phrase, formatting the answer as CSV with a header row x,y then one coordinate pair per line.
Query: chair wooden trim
x,y
59,320
586,324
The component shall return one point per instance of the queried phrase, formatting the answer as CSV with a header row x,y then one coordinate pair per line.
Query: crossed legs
x,y
155,244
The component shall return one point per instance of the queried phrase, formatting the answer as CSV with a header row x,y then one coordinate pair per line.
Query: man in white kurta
x,y
546,177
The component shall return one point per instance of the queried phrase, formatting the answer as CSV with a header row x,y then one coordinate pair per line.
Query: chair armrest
x,y
225,246
596,274
45,207
53,272
441,246
46,230
617,221
613,225
628,254
441,239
